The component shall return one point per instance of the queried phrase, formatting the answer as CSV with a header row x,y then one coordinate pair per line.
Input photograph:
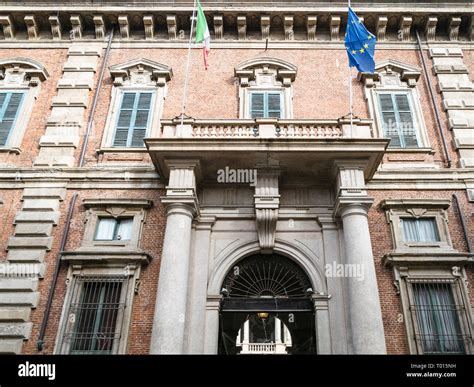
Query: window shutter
x,y
9,106
125,119
141,119
257,108
406,125
273,103
389,120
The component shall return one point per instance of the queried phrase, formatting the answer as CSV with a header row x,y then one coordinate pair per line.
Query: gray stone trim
x,y
26,251
457,92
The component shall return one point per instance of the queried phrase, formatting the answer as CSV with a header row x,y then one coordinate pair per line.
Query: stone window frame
x,y
455,275
139,75
21,75
266,75
116,208
130,271
392,76
418,208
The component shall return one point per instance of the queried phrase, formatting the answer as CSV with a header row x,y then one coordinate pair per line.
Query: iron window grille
x,y
439,316
95,315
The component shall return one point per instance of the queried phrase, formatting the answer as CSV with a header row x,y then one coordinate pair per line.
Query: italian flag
x,y
202,34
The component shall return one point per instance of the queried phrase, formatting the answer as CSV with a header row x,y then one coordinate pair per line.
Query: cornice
x,y
279,21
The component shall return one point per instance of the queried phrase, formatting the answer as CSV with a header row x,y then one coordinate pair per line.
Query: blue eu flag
x,y
360,44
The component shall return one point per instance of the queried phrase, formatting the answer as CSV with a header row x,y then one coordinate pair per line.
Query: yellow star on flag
x,y
362,50
369,37
354,52
366,45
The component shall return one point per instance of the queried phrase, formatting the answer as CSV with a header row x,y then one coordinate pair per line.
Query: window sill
x,y
12,150
122,150
427,258
94,254
429,151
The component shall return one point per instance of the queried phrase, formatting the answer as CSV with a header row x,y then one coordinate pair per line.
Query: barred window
x,y
436,317
95,314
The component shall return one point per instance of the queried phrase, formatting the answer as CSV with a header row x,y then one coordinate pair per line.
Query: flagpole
x,y
350,75
186,80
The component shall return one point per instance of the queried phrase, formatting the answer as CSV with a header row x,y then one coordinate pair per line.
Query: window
x,y
138,95
96,325
10,103
111,229
266,88
394,104
419,226
397,118
436,316
420,230
133,119
265,105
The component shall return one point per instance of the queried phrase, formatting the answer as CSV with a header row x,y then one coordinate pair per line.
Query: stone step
x,y
19,299
19,329
37,216
22,270
44,192
40,205
26,255
11,346
30,242
19,284
15,313
34,229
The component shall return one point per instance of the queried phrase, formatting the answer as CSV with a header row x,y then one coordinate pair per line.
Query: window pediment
x,y
21,72
266,71
391,73
142,71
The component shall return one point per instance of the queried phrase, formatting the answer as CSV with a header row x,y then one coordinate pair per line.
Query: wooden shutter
x,y
389,120
141,119
257,105
274,105
125,119
9,106
405,124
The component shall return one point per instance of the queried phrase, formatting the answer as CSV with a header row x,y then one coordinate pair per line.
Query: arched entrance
x,y
267,308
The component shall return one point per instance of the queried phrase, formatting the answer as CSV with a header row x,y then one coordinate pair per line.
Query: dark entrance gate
x,y
264,290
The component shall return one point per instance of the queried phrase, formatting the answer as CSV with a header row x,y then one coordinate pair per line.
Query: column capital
x,y
184,206
346,205
327,222
213,302
205,222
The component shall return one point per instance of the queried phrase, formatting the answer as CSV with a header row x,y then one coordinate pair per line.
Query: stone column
x,y
211,333
365,313
198,274
323,332
171,301
277,331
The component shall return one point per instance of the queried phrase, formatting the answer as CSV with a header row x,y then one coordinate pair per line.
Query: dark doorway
x,y
267,308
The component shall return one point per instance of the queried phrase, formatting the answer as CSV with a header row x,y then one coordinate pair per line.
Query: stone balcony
x,y
267,128
300,148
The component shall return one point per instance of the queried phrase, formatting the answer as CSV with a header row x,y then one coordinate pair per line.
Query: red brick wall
x,y
53,60
382,243
144,301
11,205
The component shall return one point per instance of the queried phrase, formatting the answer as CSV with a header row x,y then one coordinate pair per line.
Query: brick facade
x,y
319,93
